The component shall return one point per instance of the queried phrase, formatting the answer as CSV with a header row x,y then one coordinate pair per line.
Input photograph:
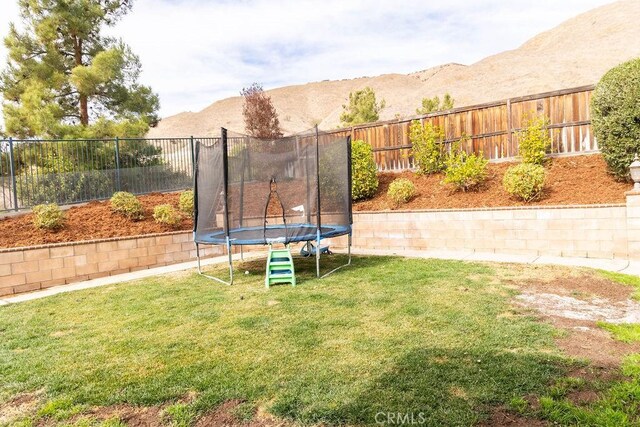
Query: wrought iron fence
x,y
75,171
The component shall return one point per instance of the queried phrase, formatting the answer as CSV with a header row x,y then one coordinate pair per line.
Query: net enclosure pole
x,y
319,223
195,151
225,174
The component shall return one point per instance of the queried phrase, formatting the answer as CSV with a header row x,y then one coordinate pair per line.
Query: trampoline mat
x,y
273,233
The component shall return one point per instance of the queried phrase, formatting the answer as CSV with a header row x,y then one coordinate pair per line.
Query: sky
x,y
195,52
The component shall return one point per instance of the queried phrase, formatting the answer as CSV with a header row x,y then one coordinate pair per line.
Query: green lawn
x,y
393,335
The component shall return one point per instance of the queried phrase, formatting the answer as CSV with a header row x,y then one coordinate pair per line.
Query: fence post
x,y
12,169
193,156
117,164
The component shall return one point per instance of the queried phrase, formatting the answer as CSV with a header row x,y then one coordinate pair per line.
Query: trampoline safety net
x,y
255,191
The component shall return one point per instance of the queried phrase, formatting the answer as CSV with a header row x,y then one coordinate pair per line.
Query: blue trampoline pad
x,y
273,233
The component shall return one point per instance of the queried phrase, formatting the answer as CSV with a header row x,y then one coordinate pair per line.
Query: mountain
x,y
575,53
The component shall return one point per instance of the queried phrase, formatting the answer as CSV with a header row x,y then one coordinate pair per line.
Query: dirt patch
x,y
585,340
574,305
225,416
132,416
503,417
597,309
579,180
580,286
18,407
95,220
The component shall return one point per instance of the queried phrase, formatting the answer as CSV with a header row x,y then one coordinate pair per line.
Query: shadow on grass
x,y
427,386
305,267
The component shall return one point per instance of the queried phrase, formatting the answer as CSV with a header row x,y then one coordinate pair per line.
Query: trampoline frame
x,y
228,242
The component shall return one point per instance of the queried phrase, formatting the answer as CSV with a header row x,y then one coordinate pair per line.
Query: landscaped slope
x,y
576,53
578,180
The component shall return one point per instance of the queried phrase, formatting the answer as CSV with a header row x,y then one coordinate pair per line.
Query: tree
x,y
362,108
260,116
615,116
62,75
431,105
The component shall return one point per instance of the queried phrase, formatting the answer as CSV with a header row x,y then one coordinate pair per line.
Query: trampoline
x,y
274,234
251,191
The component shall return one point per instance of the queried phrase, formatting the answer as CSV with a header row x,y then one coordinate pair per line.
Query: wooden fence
x,y
493,128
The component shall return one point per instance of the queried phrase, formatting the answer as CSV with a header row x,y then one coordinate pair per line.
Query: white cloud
x,y
196,51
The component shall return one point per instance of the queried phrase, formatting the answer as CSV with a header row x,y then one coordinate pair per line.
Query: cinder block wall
x,y
29,269
579,231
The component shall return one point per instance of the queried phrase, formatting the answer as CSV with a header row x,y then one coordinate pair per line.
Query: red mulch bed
x,y
578,180
571,180
95,220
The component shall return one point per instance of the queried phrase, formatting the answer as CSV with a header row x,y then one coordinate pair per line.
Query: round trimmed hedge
x,y
615,115
525,181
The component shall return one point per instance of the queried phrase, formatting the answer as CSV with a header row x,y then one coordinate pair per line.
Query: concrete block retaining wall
x,y
600,231
593,232
39,267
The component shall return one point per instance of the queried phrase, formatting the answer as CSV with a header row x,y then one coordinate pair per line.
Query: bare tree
x,y
260,116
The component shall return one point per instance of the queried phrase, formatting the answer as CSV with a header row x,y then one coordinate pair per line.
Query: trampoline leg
x,y
198,258
230,262
318,255
345,265
230,282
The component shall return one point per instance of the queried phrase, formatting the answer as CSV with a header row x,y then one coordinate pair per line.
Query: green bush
x,y
186,202
430,105
48,216
127,204
427,147
364,173
535,140
615,115
401,190
525,181
465,171
166,214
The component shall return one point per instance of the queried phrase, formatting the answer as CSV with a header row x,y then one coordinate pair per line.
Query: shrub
x,y
166,214
430,105
615,115
535,140
465,171
364,173
186,202
401,190
525,181
428,149
48,216
127,204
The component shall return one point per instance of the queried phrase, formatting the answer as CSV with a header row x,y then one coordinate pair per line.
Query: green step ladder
x,y
279,267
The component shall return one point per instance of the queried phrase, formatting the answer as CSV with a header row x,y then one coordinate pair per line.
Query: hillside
x,y
575,53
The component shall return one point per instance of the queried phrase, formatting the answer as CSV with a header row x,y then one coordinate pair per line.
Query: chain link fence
x,y
75,171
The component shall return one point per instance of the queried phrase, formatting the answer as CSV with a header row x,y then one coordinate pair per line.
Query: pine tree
x,y
362,108
63,77
260,116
